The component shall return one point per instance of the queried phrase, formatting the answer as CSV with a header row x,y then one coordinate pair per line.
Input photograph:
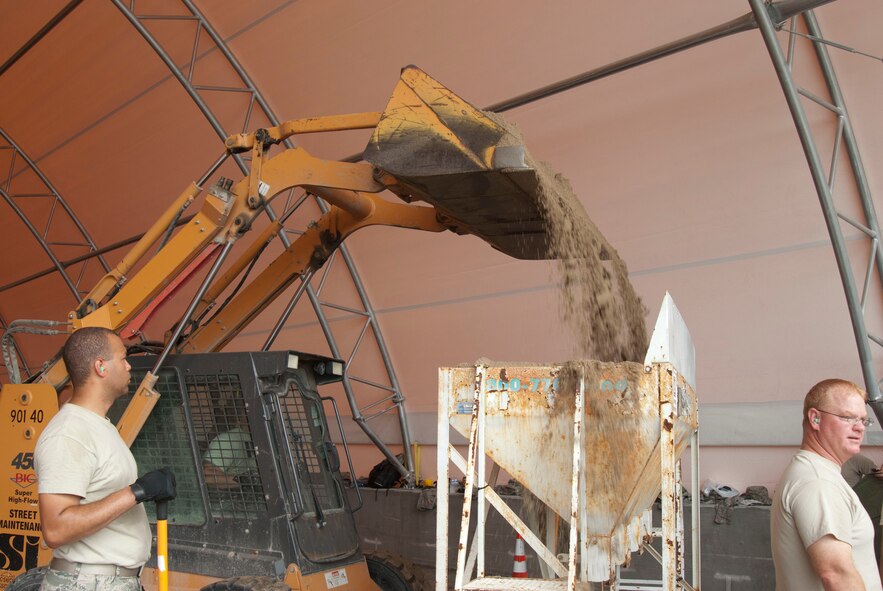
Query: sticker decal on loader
x,y
18,551
23,461
336,578
21,416
23,479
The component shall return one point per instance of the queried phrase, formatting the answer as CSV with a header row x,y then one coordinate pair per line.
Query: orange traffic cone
x,y
519,567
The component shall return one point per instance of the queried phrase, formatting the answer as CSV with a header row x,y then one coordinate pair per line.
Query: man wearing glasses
x,y
822,537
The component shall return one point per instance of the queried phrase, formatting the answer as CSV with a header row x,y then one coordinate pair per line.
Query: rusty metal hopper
x,y
635,421
436,147
529,433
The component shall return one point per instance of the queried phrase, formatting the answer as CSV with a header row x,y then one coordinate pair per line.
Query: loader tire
x,y
248,584
392,572
28,581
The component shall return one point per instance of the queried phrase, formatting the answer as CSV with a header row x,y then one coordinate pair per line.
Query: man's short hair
x,y
82,349
819,394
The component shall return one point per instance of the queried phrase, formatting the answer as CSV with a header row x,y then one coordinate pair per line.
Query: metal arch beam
x,y
850,141
397,399
41,241
9,197
779,11
27,46
93,248
824,184
44,30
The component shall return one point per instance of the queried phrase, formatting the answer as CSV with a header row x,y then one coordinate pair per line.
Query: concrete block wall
x,y
735,556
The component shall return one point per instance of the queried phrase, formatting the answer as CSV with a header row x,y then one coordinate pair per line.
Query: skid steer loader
x,y
285,522
260,491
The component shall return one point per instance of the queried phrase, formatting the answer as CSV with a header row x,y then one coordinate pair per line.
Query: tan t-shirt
x,y
812,500
81,453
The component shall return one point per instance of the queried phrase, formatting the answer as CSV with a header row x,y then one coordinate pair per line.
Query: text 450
x,y
23,461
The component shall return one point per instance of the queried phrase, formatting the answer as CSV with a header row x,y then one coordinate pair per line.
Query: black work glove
x,y
158,485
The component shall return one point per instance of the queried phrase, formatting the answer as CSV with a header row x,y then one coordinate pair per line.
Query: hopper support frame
x,y
578,568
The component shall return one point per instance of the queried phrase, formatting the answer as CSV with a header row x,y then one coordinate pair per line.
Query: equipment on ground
x,y
474,177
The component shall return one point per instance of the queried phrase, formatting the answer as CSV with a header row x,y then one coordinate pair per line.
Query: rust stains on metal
x,y
529,425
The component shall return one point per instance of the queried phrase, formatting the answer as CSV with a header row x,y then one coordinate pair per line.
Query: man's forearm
x,y
76,521
843,581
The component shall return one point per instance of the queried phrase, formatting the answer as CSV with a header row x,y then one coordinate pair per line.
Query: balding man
x,y
89,497
822,537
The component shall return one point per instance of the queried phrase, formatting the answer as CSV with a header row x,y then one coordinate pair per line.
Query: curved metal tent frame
x,y
394,401
45,209
54,206
824,180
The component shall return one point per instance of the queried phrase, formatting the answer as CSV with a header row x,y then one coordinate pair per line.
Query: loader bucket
x,y
436,147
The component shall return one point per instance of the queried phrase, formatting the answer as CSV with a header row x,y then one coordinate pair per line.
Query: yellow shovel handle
x,y
162,544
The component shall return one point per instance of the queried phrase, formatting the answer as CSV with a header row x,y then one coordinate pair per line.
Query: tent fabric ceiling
x,y
690,165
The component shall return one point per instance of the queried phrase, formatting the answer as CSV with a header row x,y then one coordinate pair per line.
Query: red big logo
x,y
24,479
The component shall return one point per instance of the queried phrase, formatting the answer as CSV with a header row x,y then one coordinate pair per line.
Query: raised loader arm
x,y
470,170
308,253
223,218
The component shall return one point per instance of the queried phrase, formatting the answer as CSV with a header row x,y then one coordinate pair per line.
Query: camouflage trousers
x,y
61,581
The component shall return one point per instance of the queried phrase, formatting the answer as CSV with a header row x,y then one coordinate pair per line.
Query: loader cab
x,y
258,476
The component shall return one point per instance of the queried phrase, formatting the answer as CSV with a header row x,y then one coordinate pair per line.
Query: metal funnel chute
x,y
636,419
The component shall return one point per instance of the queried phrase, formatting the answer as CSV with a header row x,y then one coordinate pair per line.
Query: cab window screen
x,y
305,432
226,450
165,442
229,463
